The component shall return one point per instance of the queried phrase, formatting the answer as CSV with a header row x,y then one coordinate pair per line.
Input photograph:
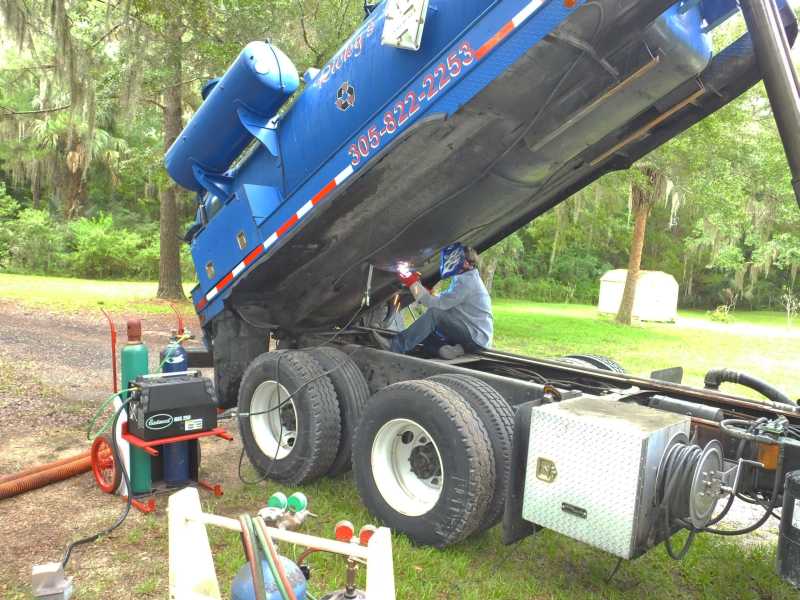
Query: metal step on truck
x,y
446,120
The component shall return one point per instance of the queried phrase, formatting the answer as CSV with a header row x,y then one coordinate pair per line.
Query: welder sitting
x,y
458,320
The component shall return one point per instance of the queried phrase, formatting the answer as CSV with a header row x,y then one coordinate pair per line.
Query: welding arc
x,y
46,475
44,467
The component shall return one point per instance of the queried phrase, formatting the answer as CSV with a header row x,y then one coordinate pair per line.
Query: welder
x,y
456,321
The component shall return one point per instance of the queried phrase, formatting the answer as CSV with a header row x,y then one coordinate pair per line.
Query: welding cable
x,y
251,554
124,514
261,537
89,435
290,595
336,367
265,475
680,465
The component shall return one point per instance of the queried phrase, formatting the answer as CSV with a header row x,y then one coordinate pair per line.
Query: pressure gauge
x,y
404,23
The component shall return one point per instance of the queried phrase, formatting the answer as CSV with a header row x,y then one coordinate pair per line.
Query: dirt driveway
x,y
54,372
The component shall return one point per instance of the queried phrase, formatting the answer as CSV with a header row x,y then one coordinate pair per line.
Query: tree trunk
x,y
488,270
640,203
36,185
169,271
556,238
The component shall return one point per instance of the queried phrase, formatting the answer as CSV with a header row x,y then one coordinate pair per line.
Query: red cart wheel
x,y
104,467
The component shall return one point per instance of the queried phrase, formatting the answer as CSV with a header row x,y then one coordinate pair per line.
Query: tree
x,y
169,272
647,185
505,252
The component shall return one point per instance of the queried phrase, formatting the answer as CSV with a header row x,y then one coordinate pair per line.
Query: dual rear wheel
x,y
430,458
297,410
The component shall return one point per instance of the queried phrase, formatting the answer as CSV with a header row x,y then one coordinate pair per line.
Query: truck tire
x,y
298,443
352,393
423,462
598,362
497,417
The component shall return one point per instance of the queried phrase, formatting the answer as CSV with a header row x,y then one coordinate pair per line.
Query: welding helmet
x,y
452,260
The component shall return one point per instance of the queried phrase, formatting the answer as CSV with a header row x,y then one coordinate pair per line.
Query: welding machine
x,y
173,408
166,405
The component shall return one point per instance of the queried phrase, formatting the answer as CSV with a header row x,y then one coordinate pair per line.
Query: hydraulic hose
x,y
46,476
715,377
768,508
44,467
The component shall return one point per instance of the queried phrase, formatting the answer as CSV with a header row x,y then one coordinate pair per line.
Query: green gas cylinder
x,y
133,361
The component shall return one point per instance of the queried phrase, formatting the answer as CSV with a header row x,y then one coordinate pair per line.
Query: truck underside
x,y
584,101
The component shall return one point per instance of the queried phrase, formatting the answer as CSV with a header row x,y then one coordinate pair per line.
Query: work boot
x,y
451,352
382,342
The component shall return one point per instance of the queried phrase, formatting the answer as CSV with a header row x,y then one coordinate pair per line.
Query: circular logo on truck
x,y
345,96
161,421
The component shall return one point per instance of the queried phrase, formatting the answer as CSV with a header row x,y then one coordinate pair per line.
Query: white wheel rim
x,y
408,490
274,439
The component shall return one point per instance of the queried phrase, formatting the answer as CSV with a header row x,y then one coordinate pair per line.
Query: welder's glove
x,y
410,279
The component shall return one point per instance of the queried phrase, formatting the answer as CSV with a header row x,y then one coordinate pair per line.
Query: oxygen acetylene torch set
x,y
157,421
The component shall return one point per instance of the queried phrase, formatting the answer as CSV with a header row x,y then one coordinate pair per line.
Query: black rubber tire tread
x,y
497,417
352,393
599,362
465,448
318,416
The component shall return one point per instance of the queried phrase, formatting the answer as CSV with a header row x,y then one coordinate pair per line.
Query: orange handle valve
x,y
344,531
366,533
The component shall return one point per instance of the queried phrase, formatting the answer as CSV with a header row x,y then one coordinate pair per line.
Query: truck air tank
x,y
258,82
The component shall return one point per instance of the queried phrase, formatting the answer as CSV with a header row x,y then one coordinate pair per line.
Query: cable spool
x,y
689,481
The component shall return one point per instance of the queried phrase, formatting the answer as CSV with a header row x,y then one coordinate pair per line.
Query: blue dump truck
x,y
446,120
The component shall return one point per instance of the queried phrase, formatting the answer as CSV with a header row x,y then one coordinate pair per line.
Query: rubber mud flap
x,y
462,443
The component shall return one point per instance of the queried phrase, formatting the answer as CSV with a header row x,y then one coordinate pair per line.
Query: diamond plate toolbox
x,y
592,467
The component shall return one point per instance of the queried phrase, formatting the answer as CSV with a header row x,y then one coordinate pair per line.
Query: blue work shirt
x,y
467,299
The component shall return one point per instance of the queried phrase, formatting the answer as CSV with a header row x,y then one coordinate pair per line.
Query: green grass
x,y
546,565
78,295
758,343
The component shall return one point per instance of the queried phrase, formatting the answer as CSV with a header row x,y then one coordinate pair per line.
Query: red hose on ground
x,y
44,467
42,478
